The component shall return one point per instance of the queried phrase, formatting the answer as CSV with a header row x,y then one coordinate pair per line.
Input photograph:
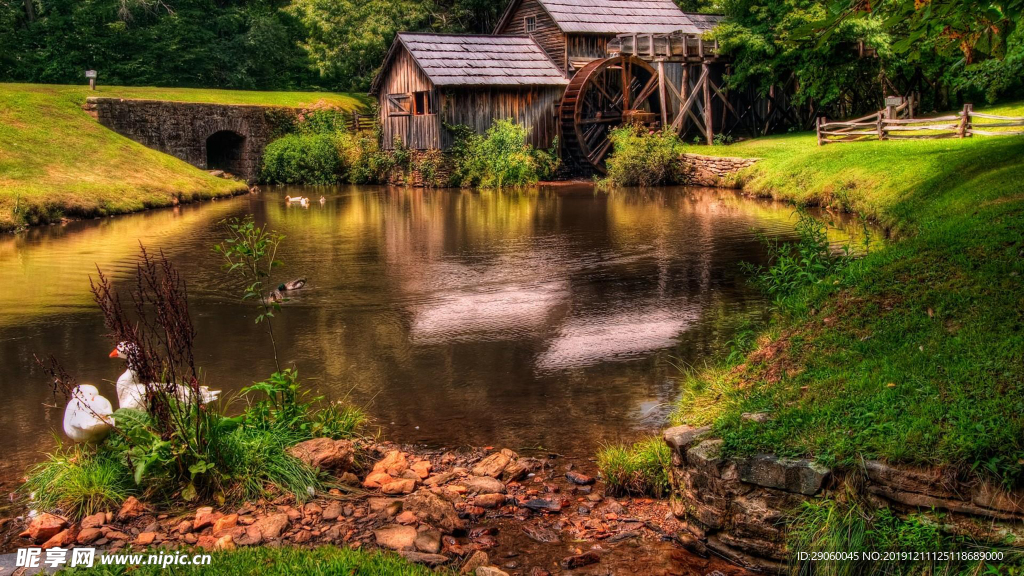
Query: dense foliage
x,y
499,158
644,158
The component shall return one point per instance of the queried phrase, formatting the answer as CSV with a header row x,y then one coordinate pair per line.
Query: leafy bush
x,y
79,483
641,157
638,469
303,159
792,266
288,409
501,157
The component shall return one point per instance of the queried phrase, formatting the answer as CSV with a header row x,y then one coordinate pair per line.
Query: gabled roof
x,y
476,60
705,22
613,16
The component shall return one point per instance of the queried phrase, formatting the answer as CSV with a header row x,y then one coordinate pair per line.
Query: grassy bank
x,y
912,354
283,561
56,161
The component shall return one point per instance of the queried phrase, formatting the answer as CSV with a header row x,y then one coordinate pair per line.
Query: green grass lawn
x,y
56,161
914,353
262,561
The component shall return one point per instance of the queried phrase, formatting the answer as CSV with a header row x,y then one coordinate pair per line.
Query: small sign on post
x,y
91,75
894,100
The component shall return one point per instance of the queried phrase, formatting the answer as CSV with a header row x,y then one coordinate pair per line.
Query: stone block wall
x,y
182,129
718,171
738,507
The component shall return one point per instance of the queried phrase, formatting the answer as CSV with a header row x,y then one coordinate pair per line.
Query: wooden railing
x,y
887,125
360,122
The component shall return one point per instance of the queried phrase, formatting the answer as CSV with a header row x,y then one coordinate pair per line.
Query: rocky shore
x,y
483,512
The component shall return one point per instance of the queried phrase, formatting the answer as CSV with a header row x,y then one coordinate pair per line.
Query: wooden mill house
x,y
572,69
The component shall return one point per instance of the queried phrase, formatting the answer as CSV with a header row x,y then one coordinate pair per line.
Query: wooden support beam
x,y
681,115
708,120
662,99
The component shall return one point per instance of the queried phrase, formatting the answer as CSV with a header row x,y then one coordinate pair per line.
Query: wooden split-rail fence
x,y
357,122
896,123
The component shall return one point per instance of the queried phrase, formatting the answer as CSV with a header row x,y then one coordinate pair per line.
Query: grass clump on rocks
x,y
637,469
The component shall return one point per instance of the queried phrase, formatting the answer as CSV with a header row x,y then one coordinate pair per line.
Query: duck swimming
x,y
132,394
279,293
87,417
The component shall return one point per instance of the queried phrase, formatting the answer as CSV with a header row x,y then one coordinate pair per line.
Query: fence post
x,y
961,129
880,126
817,127
968,110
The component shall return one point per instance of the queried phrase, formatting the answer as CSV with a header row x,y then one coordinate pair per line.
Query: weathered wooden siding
x,y
479,107
417,132
584,48
547,35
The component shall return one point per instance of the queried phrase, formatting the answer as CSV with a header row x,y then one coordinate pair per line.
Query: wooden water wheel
x,y
603,95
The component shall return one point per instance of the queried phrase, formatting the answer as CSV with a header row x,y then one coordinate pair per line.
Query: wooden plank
x,y
860,133
922,120
992,133
1001,124
708,129
677,123
662,100
994,117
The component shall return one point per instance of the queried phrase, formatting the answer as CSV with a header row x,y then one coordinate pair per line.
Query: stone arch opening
x,y
225,151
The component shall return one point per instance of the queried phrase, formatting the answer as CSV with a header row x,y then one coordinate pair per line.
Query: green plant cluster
x,y
643,157
499,158
638,469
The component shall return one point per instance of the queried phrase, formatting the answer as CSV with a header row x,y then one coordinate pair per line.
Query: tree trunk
x,y
30,11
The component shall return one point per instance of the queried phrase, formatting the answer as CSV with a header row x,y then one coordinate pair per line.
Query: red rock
x,y
205,516
224,543
489,500
44,526
578,478
312,509
184,527
206,541
393,463
493,465
332,455
224,523
89,535
421,468
302,537
94,520
190,538
131,508
62,539
377,479
145,539
333,511
270,527
399,487
580,560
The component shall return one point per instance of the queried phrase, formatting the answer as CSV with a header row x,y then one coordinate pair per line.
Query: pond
x,y
555,319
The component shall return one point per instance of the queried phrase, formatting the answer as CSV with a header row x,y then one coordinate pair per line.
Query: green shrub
x,y
325,121
641,468
500,158
303,159
79,483
288,409
258,462
641,157
807,261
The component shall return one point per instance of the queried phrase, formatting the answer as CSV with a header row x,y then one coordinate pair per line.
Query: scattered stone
x,y
94,520
224,543
302,537
540,533
332,455
44,526
271,526
543,505
131,508
439,479
758,417
429,541
579,478
519,469
484,485
115,535
492,465
580,560
89,535
205,516
406,518
184,527
432,509
62,539
680,438
423,558
312,509
403,486
145,539
396,537
377,479
333,511
624,536
225,523
489,500
190,538
421,469
476,560
490,571
393,463
379,504
349,479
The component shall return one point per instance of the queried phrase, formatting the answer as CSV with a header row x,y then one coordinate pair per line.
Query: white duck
x,y
88,415
300,200
132,394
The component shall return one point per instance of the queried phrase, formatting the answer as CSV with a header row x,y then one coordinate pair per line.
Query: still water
x,y
554,319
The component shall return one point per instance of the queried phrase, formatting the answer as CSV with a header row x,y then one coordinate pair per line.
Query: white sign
x,y
894,100
90,73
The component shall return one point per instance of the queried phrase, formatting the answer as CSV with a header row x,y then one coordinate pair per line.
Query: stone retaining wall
x,y
700,170
183,129
738,507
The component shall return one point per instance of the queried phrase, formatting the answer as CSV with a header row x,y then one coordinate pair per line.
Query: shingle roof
x,y
476,60
705,22
619,16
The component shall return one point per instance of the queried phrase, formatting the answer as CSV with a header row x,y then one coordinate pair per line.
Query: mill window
x,y
421,103
531,24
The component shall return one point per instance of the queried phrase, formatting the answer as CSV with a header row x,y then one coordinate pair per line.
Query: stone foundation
x,y
738,507
717,171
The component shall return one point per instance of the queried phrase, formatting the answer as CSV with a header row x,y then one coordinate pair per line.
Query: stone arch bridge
x,y
209,136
